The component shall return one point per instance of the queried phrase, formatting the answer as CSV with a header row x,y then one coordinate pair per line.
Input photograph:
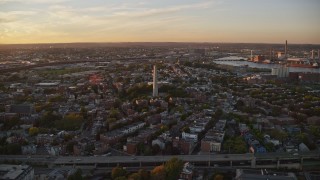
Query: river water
x,y
226,60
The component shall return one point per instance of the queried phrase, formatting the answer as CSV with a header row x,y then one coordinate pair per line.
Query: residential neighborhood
x,y
106,106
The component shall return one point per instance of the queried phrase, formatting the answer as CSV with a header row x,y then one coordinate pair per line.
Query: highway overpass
x,y
252,160
276,160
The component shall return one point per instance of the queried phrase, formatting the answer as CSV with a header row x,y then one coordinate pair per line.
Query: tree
x,y
95,88
147,150
121,178
84,112
118,172
113,113
269,146
134,176
71,121
228,144
69,147
89,148
239,145
280,135
302,137
186,129
73,117
164,128
218,113
218,177
235,145
48,119
155,149
158,173
173,168
144,175
10,123
183,117
315,131
33,131
76,176
10,149
3,141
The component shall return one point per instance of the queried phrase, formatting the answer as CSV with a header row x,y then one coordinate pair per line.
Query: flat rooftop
x,y
13,171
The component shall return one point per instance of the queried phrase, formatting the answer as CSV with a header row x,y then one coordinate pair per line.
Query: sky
x,y
239,21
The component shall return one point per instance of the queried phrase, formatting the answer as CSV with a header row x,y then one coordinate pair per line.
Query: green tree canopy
x,y
173,168
134,176
118,172
76,176
33,131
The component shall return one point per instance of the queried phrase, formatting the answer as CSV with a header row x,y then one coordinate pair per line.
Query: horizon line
x,y
181,42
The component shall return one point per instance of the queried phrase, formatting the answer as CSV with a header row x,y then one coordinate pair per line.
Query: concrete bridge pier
x,y
253,162
230,163
301,163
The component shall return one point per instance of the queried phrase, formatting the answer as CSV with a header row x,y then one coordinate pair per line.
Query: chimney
x,y
155,81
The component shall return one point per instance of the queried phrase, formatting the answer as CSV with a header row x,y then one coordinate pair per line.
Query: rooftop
x,y
14,171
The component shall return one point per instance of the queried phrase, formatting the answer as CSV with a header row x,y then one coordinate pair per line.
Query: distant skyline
x,y
245,21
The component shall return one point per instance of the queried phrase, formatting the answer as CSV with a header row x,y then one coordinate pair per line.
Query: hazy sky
x,y
265,21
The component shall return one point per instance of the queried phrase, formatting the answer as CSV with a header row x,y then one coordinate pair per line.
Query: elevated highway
x,y
275,160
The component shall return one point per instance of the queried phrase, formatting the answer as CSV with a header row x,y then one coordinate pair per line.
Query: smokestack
x,y
286,49
155,81
251,56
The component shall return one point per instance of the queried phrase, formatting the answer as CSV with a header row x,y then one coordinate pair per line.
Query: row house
x,y
113,137
45,138
220,125
143,137
185,146
190,136
212,141
199,125
132,128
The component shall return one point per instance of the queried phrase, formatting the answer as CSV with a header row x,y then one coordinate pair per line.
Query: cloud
x,y
69,21
147,12
5,20
11,16
33,1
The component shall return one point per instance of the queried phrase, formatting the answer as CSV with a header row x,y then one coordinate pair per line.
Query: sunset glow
x,y
47,21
